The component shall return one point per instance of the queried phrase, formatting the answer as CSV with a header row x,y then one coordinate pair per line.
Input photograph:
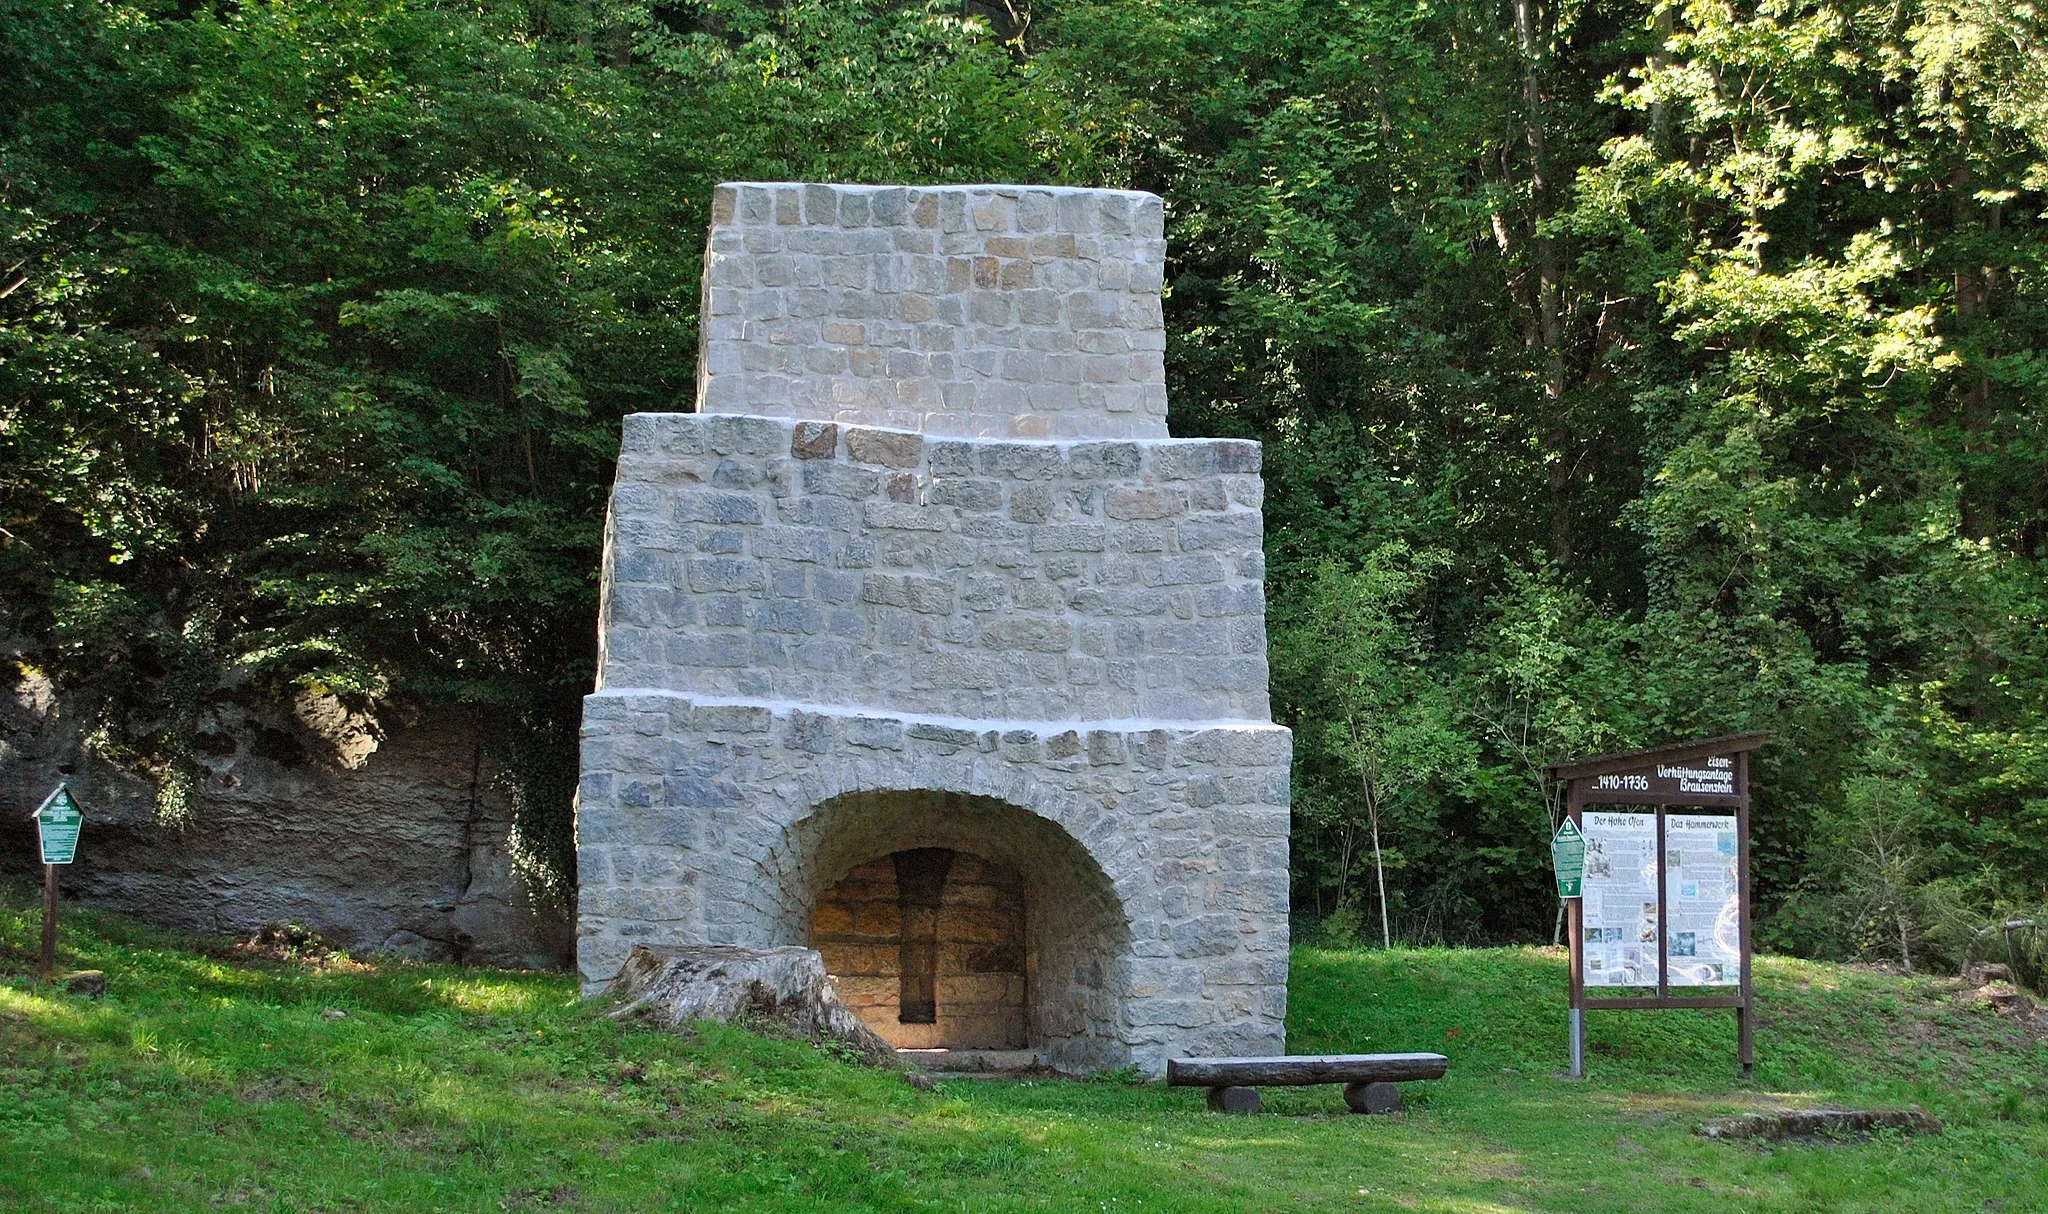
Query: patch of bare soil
x,y
291,944
562,1196
2007,1002
280,1088
18,959
17,1030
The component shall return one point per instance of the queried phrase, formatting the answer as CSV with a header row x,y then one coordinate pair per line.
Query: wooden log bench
x,y
1368,1079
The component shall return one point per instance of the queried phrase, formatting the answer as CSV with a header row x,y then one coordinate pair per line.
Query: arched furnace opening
x,y
963,922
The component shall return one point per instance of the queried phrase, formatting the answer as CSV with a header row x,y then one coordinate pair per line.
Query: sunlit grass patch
x,y
501,997
211,1077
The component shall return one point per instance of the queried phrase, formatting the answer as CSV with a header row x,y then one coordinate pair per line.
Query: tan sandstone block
x,y
890,448
831,917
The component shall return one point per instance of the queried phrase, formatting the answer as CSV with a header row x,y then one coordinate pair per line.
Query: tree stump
x,y
675,985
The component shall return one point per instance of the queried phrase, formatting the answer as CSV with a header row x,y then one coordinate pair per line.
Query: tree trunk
x,y
1533,36
1379,869
1343,864
1974,287
1660,59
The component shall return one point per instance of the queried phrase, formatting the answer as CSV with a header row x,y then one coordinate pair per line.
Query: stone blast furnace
x,y
926,647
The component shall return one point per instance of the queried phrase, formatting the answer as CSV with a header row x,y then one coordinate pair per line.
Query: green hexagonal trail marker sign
x,y
57,825
1568,857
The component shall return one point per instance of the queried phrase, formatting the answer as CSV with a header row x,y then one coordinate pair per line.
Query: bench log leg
x,y
1234,1100
1373,1097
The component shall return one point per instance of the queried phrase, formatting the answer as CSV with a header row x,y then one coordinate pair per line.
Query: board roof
x,y
1674,752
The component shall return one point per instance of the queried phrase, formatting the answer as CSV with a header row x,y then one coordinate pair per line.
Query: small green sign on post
x,y
57,825
1568,857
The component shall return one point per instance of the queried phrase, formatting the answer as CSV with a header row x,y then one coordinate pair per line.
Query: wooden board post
x,y
1711,774
1575,947
1745,1023
49,957
58,822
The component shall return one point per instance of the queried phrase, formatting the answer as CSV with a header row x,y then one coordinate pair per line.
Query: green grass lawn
x,y
207,1078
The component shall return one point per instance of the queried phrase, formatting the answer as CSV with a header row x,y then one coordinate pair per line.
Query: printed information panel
x,y
58,821
1702,900
1620,895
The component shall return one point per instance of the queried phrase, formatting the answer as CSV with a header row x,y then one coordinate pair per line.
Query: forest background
x,y
1627,371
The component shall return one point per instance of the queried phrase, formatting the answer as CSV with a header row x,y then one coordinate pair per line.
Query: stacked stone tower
x,y
924,645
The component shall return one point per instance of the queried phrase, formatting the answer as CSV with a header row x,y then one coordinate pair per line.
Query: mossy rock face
x,y
89,983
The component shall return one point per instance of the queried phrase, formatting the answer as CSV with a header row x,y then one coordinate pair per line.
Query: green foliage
x,y
1626,373
1877,841
1702,339
1374,730
327,312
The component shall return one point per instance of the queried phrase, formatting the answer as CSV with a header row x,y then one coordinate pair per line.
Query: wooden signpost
x,y
58,822
1662,898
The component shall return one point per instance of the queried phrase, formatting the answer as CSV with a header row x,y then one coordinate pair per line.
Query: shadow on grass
x,y
208,1077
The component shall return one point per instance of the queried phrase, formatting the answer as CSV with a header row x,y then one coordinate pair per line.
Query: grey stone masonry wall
x,y
724,823
860,605
985,311
814,563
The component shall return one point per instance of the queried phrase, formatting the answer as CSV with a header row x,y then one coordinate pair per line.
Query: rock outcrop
x,y
381,835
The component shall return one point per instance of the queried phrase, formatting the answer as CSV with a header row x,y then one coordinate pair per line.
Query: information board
x,y
1568,858
1662,920
1619,922
1706,780
57,825
1702,900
